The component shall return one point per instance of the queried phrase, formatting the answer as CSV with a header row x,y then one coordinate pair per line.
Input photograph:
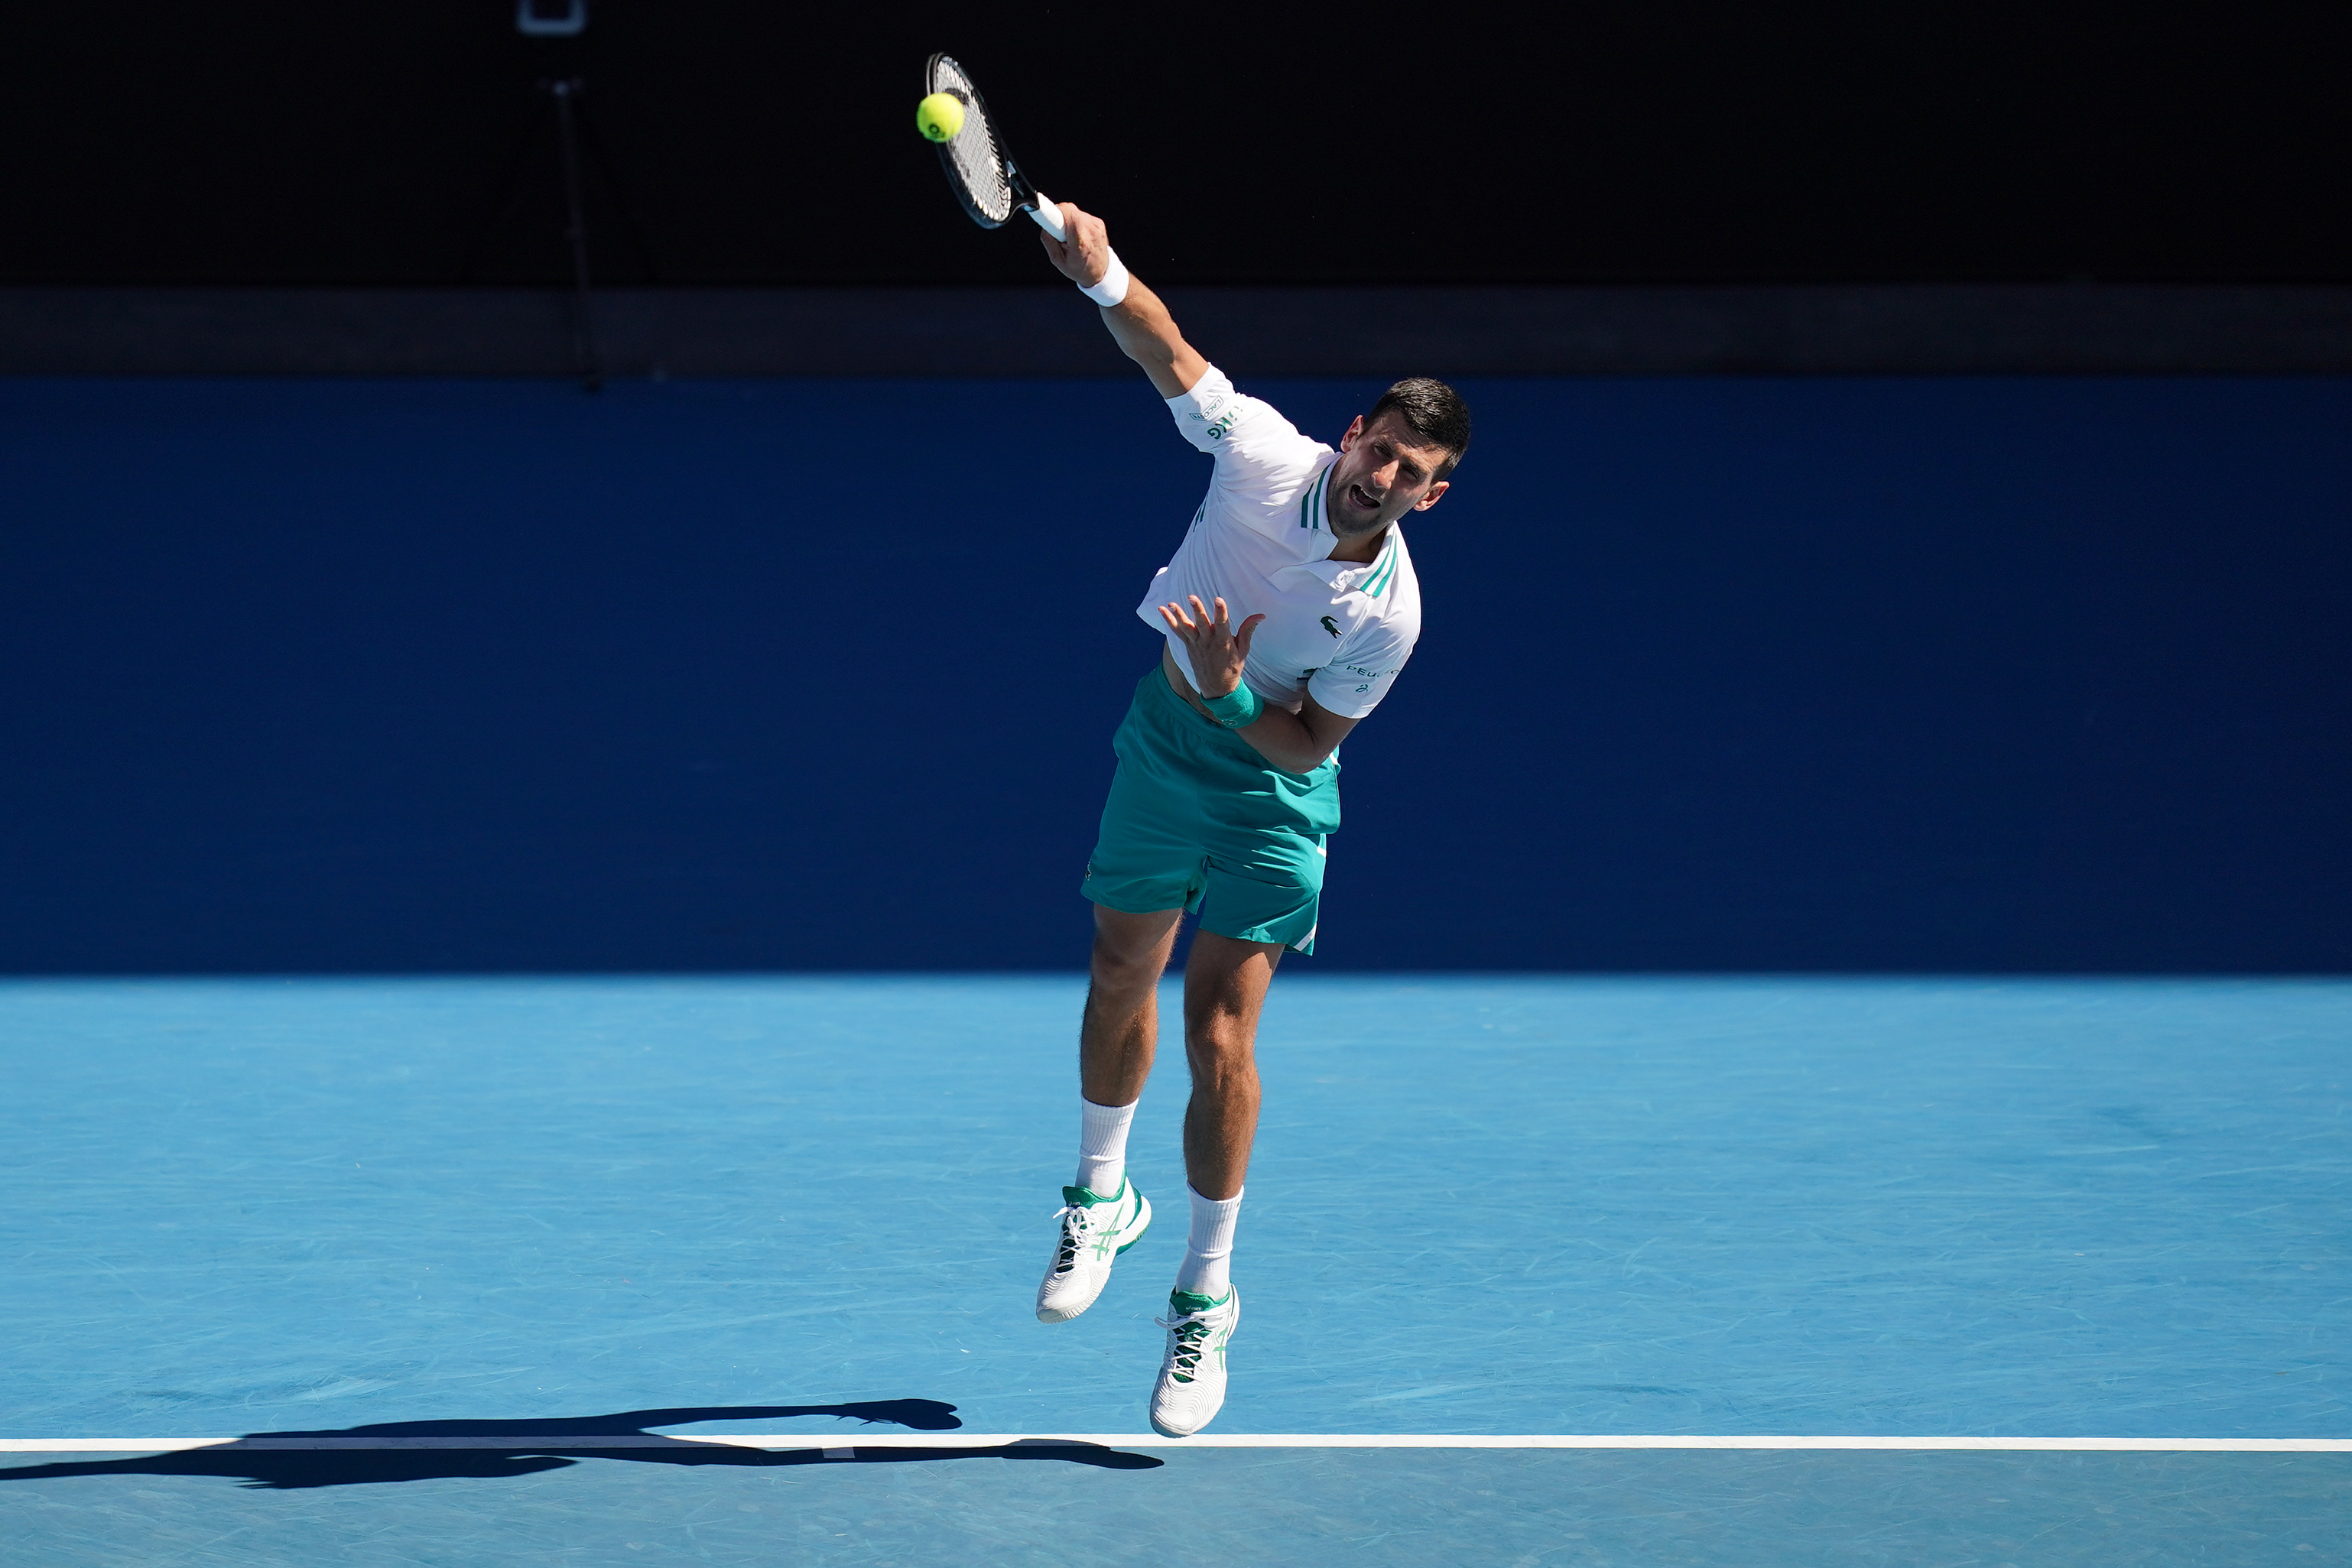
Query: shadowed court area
x,y
440,1450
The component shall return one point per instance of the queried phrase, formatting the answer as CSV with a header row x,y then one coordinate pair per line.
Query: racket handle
x,y
1048,216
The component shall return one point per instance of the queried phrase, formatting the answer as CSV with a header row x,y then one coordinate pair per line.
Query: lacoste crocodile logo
x,y
1330,625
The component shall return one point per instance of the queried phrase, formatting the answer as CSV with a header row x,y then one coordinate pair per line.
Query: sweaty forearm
x,y
1291,741
1147,334
1287,740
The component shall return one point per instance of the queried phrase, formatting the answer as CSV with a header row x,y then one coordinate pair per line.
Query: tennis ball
x,y
939,116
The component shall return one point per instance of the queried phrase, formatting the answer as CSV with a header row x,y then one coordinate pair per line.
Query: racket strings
x,y
972,155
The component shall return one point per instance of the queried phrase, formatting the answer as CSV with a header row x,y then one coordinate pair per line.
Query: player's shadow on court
x,y
490,1449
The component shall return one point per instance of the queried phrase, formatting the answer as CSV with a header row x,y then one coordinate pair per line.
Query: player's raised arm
x,y
1139,320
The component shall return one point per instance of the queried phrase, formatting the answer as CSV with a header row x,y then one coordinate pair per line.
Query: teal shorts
x,y
1197,820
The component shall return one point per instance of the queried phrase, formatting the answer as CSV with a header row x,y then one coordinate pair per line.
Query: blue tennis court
x,y
486,1255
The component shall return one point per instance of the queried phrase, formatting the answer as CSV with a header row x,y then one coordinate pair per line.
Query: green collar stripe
x,y
1309,516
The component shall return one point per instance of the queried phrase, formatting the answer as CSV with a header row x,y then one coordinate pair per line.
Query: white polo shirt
x,y
1338,630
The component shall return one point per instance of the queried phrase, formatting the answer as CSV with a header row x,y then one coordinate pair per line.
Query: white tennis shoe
x,y
1094,1231
1192,1383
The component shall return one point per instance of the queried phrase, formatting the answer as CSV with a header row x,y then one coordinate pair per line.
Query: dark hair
x,y
1433,411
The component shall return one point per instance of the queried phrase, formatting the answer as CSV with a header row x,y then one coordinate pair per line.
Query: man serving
x,y
1286,613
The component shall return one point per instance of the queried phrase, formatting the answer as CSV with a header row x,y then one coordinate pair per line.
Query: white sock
x,y
1102,1146
1210,1247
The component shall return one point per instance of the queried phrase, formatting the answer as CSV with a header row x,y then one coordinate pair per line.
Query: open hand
x,y
1218,649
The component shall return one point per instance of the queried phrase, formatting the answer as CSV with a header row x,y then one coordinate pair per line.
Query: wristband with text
x,y
1113,287
1237,709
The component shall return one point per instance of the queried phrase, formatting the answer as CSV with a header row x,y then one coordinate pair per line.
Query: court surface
x,y
482,1251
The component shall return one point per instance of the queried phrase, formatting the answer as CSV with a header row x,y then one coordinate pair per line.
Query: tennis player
x,y
1286,615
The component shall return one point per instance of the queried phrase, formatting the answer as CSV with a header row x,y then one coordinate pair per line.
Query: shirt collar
x,y
1330,571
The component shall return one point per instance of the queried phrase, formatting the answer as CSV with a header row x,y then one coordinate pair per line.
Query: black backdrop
x,y
292,142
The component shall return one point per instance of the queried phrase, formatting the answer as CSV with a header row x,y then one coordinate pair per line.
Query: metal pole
x,y
583,321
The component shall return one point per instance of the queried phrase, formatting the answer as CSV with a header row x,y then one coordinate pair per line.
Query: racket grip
x,y
1048,216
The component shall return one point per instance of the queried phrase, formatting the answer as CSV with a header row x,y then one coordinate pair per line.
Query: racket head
x,y
979,170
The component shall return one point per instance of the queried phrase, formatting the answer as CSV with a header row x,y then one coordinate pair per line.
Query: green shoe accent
x,y
1187,1302
1086,1197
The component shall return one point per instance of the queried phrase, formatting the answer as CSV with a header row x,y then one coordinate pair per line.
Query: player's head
x,y
1395,459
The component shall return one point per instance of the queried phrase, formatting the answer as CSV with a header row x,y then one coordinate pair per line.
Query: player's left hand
x,y
1219,649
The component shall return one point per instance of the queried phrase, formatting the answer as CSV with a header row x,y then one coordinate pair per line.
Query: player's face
x,y
1384,473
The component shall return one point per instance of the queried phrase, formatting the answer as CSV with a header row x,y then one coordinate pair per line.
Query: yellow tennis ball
x,y
939,116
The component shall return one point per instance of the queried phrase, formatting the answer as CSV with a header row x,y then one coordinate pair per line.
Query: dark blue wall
x,y
1853,674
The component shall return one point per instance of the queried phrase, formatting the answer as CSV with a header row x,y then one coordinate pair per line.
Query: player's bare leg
x,y
1102,1214
1120,1031
1224,990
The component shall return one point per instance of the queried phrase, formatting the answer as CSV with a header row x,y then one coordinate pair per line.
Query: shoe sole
x,y
1143,1223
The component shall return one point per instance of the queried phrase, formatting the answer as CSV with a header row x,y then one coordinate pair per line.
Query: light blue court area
x,y
566,1211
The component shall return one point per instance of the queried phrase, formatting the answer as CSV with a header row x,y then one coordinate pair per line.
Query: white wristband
x,y
1113,287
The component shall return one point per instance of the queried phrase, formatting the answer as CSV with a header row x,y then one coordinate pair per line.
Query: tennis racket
x,y
983,174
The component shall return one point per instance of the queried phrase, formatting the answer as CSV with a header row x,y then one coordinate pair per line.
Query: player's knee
x,y
1120,963
1218,1044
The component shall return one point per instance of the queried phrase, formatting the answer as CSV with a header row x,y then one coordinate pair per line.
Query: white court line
x,y
838,1445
